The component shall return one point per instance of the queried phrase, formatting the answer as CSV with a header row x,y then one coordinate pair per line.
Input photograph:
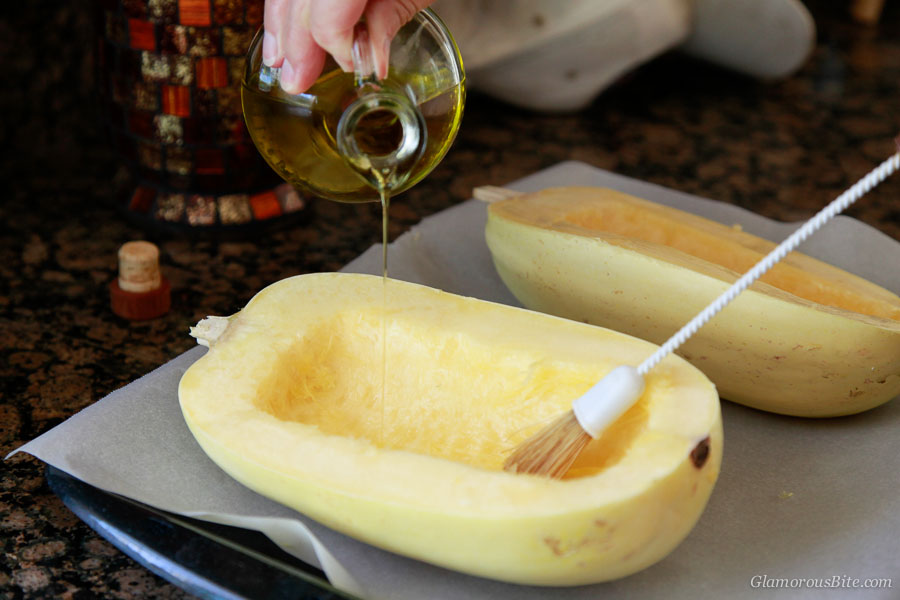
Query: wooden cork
x,y
867,11
139,267
140,291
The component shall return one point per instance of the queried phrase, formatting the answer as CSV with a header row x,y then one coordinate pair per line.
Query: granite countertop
x,y
782,149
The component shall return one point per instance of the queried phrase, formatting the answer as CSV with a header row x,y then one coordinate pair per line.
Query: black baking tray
x,y
205,559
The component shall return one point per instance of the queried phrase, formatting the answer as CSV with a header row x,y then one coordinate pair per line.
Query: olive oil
x,y
298,135
354,138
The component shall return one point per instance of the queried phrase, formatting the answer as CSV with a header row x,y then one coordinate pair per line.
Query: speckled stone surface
x,y
782,149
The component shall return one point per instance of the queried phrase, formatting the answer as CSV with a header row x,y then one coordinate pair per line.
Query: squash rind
x,y
768,349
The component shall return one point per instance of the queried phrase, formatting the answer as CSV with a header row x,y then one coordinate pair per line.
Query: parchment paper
x,y
797,499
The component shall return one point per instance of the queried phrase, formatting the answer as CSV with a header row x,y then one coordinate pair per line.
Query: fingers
x,y
275,23
385,18
332,23
303,61
288,44
299,33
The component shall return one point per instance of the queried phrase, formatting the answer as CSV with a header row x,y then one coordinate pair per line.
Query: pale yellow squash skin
x,y
288,402
829,346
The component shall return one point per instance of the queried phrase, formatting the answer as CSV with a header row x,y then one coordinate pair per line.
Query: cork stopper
x,y
140,291
867,11
139,267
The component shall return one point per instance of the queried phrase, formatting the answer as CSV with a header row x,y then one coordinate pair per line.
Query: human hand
x,y
299,34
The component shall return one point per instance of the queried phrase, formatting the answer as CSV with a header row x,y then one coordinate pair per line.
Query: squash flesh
x,y
429,469
730,248
321,380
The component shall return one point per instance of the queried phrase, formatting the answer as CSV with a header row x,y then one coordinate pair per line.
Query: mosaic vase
x,y
170,73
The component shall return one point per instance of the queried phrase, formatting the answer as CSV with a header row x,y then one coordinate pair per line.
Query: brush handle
x,y
608,399
838,205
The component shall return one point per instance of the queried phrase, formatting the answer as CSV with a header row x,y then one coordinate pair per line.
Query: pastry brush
x,y
553,449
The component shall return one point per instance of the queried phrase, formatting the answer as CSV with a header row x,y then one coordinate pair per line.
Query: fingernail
x,y
345,64
269,49
288,77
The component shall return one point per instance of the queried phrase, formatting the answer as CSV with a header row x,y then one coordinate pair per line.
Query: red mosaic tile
x,y
194,12
265,205
213,184
140,123
209,161
142,34
176,100
142,199
198,131
243,155
212,72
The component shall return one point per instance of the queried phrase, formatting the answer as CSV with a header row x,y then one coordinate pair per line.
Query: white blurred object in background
x,y
558,55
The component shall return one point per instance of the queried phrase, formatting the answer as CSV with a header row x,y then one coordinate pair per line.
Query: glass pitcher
x,y
352,137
